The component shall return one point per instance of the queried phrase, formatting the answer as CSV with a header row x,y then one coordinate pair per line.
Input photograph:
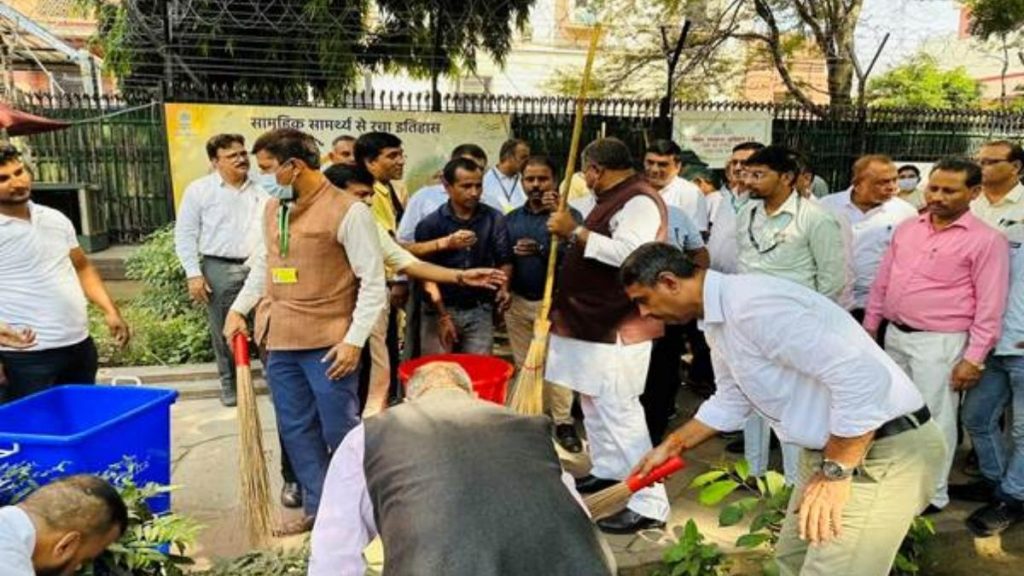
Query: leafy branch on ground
x,y
691,556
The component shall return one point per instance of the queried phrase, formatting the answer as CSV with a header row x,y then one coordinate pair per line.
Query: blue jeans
x,y
1002,383
314,413
474,325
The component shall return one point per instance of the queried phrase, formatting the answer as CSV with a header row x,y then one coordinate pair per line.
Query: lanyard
x,y
282,229
508,193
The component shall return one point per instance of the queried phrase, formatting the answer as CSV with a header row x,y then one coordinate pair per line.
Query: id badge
x,y
284,275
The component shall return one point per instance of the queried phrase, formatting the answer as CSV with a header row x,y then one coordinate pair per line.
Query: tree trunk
x,y
840,83
435,57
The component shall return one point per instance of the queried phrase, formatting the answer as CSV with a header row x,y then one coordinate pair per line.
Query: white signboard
x,y
713,133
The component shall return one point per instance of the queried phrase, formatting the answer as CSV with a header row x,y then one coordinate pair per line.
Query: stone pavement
x,y
205,456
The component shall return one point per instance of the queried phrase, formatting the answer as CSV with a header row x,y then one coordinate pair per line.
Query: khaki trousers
x,y
380,366
519,323
891,487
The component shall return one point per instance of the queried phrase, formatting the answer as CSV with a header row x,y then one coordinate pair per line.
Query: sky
x,y
911,22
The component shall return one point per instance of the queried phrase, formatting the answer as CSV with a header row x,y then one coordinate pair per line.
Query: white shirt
x,y
17,542
597,368
217,219
503,193
685,195
39,287
584,204
758,328
425,201
723,244
871,233
996,215
358,234
713,200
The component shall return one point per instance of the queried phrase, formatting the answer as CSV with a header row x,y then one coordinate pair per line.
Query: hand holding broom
x,y
253,464
610,500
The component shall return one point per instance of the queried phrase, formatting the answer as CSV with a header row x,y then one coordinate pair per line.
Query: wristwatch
x,y
576,233
833,470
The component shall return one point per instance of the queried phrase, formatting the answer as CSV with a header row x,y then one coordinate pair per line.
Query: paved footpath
x,y
205,466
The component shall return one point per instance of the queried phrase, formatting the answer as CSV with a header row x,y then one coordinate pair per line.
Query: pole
x,y
663,126
435,55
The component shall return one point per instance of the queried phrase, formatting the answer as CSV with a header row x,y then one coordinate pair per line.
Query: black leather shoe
x,y
931,510
291,495
995,518
981,491
590,484
567,438
628,522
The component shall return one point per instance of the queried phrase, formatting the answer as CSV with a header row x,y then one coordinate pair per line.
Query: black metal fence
x,y
121,145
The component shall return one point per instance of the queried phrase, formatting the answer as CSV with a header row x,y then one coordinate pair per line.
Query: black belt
x,y
223,259
903,423
908,329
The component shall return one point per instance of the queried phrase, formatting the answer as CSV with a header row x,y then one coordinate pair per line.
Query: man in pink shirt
x,y
942,285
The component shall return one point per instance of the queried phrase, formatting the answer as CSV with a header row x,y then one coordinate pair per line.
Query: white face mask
x,y
908,184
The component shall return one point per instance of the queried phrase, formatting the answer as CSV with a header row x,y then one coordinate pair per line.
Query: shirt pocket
x,y
944,267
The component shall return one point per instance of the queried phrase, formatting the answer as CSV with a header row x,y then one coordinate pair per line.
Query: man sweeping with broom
x,y
600,346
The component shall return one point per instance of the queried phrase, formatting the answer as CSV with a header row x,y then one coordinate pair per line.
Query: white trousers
x,y
757,435
618,437
929,358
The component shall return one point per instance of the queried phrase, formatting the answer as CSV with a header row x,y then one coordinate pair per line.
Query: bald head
x,y
438,375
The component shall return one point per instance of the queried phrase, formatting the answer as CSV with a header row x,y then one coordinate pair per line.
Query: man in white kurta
x,y
597,346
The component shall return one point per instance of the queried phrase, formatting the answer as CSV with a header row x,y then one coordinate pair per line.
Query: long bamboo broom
x,y
528,394
610,500
255,482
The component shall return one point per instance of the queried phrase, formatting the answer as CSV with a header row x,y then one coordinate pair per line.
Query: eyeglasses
x,y
241,154
991,161
755,175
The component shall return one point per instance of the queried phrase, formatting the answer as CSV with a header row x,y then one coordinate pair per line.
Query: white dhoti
x,y
610,379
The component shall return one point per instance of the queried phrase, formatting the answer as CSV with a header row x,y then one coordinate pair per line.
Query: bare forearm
x,y
848,451
95,291
421,249
691,435
434,294
427,272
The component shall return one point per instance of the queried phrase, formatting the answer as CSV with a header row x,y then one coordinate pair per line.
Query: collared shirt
x,y
871,233
422,203
217,219
713,200
387,205
529,273
492,249
996,215
758,328
501,192
802,242
949,280
1013,320
723,245
357,233
682,231
17,542
345,523
685,195
39,287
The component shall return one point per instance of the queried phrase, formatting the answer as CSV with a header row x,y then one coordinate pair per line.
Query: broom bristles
x,y
255,482
528,394
608,501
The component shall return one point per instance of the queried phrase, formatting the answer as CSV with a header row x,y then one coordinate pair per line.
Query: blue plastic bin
x,y
90,428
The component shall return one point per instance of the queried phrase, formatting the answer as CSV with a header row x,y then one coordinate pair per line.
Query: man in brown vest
x,y
319,281
600,346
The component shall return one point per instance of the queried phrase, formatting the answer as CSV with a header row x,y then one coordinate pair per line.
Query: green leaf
x,y
775,481
760,522
770,568
706,478
751,540
742,469
748,503
715,493
730,515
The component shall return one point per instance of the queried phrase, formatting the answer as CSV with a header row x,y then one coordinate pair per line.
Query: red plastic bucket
x,y
489,375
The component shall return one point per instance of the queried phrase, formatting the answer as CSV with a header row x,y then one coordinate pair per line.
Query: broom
x,y
610,500
255,483
528,393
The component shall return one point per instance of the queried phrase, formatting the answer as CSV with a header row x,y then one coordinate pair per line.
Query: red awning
x,y
18,123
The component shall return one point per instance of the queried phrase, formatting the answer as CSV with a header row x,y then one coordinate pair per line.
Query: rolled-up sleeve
x,y
344,523
728,409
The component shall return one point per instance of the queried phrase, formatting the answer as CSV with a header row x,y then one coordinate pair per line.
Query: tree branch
x,y
772,41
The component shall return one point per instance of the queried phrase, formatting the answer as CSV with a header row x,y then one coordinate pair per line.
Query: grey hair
x,y
436,375
608,153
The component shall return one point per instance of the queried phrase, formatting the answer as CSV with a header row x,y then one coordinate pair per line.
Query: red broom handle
x,y
670,467
241,349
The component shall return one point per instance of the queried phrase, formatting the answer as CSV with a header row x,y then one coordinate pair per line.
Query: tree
x,y
920,83
429,38
1001,20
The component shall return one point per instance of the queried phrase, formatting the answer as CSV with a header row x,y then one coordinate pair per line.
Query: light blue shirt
x,y
423,202
682,231
17,542
1013,319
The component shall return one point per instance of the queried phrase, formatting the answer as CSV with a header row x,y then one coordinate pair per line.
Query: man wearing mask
x,y
215,231
318,277
599,345
723,245
503,184
662,165
528,234
910,190
1001,202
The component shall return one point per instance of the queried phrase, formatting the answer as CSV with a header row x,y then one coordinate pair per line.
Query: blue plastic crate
x,y
90,428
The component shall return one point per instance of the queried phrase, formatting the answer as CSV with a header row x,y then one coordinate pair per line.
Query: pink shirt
x,y
950,280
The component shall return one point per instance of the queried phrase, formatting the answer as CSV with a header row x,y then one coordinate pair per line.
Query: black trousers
x,y
33,371
701,375
663,380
